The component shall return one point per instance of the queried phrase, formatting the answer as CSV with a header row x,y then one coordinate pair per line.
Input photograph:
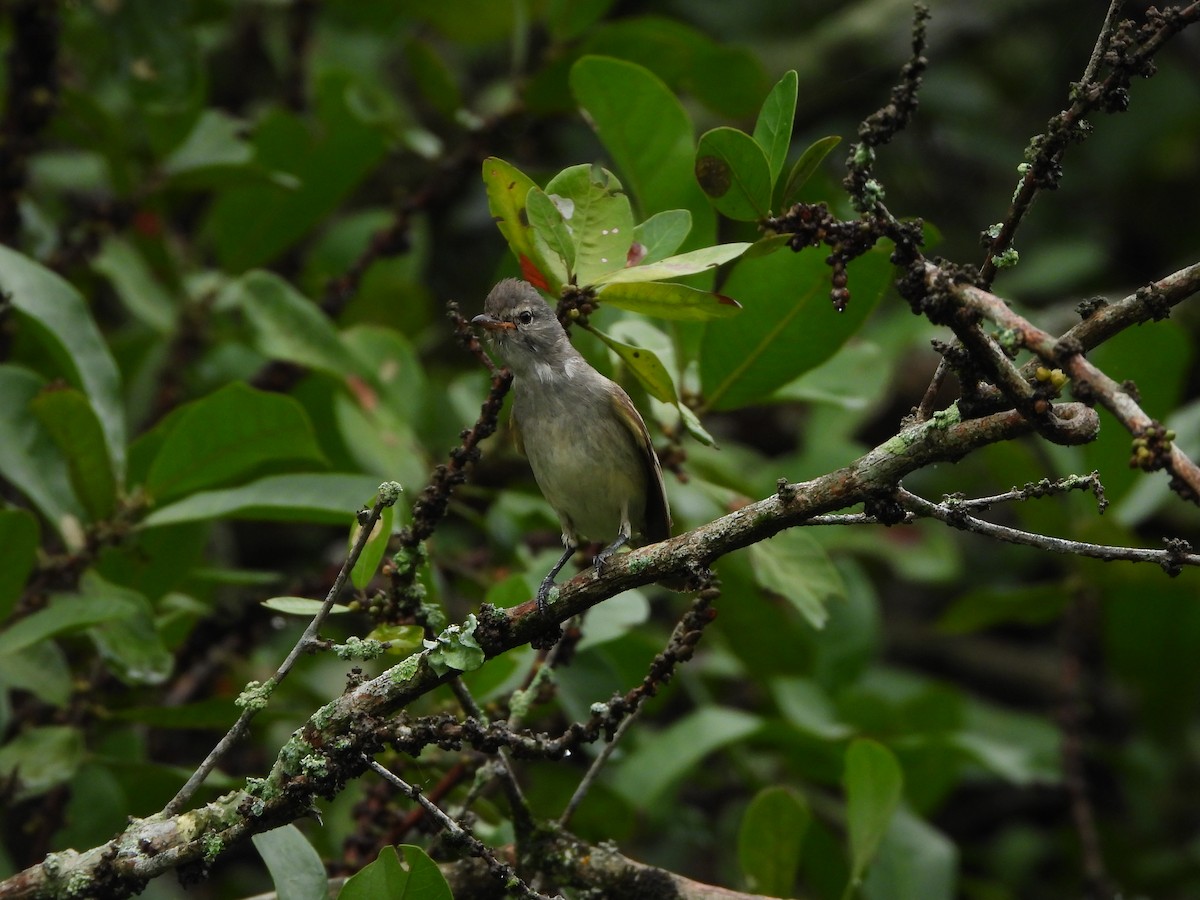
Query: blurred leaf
x,y
216,153
675,266
41,669
373,550
663,759
507,192
613,618
64,614
285,324
770,839
793,565
39,759
228,434
301,606
568,19
915,862
666,300
599,217
874,784
53,311
432,77
808,708
129,643
296,868
991,605
733,171
317,497
135,284
398,872
773,128
19,537
72,424
647,367
648,135
788,326
251,225
662,233
805,166
1021,748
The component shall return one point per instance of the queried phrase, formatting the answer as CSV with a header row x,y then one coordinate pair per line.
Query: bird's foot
x,y
543,593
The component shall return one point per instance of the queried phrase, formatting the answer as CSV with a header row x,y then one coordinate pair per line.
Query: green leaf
x,y
135,284
402,872
661,234
644,776
666,300
129,643
373,550
551,233
285,324
507,192
229,434
30,459
915,862
301,606
19,538
808,709
596,209
316,497
296,868
648,135
41,669
773,129
64,614
39,759
645,365
216,141
614,618
54,312
986,606
432,77
788,326
770,840
874,784
251,225
795,566
568,19
72,424
733,171
805,166
676,266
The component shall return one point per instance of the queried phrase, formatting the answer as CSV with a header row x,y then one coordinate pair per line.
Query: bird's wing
x,y
658,513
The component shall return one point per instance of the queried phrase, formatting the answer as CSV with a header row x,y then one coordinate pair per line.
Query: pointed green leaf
x,y
135,284
30,459
71,422
661,234
128,643
773,130
296,868
770,839
411,875
874,784
64,614
665,300
56,314
326,498
645,365
676,266
507,191
733,171
373,550
40,758
215,141
551,233
302,606
19,536
765,246
597,211
226,435
285,324
805,166
694,427
795,566
788,326
649,136
915,862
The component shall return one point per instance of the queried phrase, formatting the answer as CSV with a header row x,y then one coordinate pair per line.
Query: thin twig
x,y
457,833
593,772
389,492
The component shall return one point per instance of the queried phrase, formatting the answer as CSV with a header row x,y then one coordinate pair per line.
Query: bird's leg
x,y
543,591
604,555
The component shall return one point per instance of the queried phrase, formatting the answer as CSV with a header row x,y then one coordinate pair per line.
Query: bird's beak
x,y
492,324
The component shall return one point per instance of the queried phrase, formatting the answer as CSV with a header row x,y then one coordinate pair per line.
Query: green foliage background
x,y
225,327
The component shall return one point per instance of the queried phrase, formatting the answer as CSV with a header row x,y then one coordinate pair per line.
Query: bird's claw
x,y
543,594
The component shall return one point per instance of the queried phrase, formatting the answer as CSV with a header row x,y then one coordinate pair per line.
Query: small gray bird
x,y
587,445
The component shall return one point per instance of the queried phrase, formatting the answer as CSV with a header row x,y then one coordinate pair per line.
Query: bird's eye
x,y
524,317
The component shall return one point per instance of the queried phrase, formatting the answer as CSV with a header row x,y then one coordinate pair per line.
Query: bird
x,y
588,447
